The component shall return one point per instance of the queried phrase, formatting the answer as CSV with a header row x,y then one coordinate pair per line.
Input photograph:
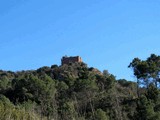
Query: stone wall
x,y
67,60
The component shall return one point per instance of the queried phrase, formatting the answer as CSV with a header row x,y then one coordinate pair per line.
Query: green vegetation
x,y
77,92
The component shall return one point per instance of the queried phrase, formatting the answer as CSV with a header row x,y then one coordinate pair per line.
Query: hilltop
x,y
75,91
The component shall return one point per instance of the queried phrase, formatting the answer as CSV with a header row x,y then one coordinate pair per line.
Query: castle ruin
x,y
67,60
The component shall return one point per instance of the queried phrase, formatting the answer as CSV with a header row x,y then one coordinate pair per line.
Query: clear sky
x,y
107,34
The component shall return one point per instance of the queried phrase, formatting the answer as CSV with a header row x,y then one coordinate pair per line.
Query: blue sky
x,y
107,34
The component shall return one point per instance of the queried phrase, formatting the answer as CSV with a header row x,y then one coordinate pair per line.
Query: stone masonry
x,y
67,60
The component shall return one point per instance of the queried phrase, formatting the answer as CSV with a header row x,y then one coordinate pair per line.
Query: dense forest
x,y
77,92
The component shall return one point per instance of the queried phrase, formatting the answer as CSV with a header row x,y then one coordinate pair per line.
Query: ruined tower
x,y
72,59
